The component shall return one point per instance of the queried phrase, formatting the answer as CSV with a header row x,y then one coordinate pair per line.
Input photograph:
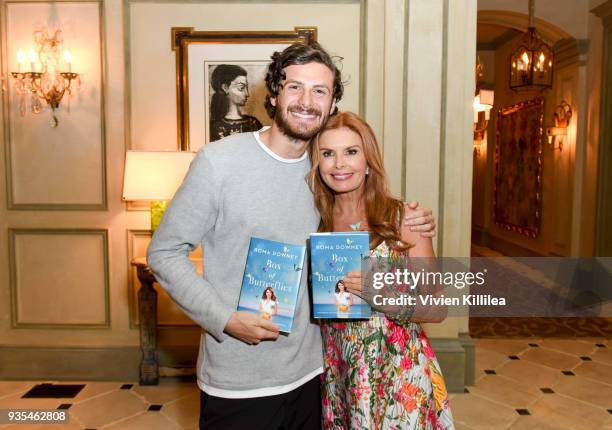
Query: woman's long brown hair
x,y
383,211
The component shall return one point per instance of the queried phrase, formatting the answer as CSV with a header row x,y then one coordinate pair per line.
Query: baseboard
x,y
120,364
470,358
502,245
454,360
111,364
455,355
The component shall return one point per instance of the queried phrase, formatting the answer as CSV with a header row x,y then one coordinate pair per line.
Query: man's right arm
x,y
189,216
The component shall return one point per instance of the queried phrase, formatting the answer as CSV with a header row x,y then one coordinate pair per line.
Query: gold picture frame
x,y
199,52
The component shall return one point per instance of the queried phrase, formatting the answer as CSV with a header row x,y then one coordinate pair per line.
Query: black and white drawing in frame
x,y
234,95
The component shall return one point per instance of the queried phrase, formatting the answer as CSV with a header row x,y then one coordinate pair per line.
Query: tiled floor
x,y
520,384
538,384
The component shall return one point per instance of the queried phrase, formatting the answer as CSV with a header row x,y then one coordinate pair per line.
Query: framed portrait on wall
x,y
220,80
517,204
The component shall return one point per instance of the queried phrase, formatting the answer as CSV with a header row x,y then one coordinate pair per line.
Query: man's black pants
x,y
299,409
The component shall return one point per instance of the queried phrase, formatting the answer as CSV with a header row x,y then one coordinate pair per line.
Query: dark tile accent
x,y
513,357
53,391
523,412
490,372
465,390
547,390
585,358
155,407
600,345
127,386
568,372
535,345
64,406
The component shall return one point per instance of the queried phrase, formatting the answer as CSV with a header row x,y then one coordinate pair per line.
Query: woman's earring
x,y
367,172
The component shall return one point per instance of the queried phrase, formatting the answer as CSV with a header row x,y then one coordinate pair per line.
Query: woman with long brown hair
x,y
380,373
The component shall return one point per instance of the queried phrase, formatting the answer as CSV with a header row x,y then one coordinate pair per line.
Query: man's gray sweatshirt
x,y
237,188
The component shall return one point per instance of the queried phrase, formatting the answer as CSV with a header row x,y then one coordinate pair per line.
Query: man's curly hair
x,y
297,54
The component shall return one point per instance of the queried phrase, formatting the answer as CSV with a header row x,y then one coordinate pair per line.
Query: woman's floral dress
x,y
381,374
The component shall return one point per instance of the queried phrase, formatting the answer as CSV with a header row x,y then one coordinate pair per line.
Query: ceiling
x,y
490,37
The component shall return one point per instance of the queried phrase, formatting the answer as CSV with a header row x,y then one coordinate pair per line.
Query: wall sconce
x,y
483,103
45,81
154,176
561,117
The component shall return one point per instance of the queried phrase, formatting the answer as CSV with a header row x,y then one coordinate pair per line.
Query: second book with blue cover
x,y
332,256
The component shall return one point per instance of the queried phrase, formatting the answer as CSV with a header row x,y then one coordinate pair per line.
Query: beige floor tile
x,y
460,426
479,413
587,390
69,426
185,412
530,373
533,423
94,389
108,408
15,387
607,425
563,411
487,359
603,355
507,391
145,421
14,401
166,391
505,346
594,340
595,370
550,358
569,346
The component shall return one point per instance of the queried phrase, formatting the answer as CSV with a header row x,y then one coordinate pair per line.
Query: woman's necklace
x,y
356,226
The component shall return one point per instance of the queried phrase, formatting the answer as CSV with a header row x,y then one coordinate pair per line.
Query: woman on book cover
x,y
343,300
229,81
380,373
268,306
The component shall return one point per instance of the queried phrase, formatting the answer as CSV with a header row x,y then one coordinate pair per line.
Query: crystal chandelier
x,y
531,65
49,78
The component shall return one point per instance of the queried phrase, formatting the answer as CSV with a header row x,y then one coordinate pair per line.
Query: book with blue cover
x,y
332,256
271,281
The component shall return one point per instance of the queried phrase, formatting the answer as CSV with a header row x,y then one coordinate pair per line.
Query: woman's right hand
x,y
352,282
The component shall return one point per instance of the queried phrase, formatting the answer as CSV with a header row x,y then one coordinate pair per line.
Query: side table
x,y
147,315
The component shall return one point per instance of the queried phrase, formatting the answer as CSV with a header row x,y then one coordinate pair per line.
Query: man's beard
x,y
298,132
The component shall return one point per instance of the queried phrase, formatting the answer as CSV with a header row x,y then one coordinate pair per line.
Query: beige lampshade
x,y
154,175
487,97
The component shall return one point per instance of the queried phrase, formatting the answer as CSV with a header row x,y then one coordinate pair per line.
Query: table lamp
x,y
154,176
